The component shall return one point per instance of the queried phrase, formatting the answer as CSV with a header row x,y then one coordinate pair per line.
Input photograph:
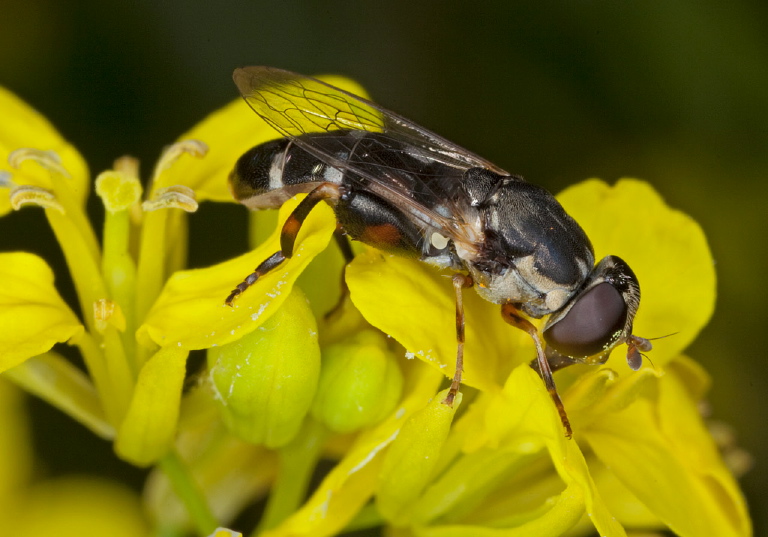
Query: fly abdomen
x,y
268,175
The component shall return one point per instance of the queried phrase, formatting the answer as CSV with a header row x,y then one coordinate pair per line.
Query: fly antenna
x,y
637,347
662,337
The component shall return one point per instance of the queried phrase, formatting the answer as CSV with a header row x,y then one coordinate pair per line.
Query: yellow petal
x,y
505,484
228,133
600,392
78,506
682,424
191,312
572,467
525,415
588,389
666,249
416,305
561,513
23,127
149,428
56,380
468,474
623,504
661,451
693,377
33,317
328,267
16,446
411,460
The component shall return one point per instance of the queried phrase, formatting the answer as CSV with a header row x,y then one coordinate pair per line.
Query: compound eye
x,y
591,325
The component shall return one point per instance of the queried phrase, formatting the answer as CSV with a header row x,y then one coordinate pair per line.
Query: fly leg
x,y
349,255
460,281
511,315
325,191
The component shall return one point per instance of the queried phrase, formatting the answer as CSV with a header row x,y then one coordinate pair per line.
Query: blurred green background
x,y
671,91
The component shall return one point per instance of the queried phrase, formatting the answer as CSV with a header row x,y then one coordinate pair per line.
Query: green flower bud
x,y
360,383
266,380
409,464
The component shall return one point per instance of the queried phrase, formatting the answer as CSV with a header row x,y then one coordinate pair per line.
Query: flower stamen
x,y
34,195
172,197
49,160
172,153
107,312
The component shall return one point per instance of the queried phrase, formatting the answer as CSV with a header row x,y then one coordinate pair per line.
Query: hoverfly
x,y
400,188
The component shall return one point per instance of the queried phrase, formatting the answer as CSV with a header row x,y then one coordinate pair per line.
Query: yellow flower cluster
x,y
285,386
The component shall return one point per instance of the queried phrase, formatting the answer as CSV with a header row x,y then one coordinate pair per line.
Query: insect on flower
x,y
403,189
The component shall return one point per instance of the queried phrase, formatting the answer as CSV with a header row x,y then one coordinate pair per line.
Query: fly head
x,y
598,318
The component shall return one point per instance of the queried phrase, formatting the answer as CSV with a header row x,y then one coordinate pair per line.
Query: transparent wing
x,y
295,105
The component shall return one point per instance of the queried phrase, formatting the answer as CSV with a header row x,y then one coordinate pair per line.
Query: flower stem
x,y
189,492
84,265
297,461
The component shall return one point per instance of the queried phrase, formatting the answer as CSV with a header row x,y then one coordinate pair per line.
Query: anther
x,y
34,195
106,312
172,197
172,153
49,160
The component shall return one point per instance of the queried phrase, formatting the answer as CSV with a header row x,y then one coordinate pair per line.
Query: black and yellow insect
x,y
401,188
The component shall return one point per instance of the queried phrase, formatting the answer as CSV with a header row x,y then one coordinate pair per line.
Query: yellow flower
x,y
507,468
63,506
131,390
285,386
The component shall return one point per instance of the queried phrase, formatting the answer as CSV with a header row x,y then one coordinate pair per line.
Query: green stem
x,y
189,492
297,461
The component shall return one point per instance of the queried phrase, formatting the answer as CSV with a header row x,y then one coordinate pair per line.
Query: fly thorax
x,y
507,286
522,284
534,254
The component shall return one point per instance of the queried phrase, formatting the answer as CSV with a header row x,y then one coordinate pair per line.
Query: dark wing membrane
x,y
295,105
